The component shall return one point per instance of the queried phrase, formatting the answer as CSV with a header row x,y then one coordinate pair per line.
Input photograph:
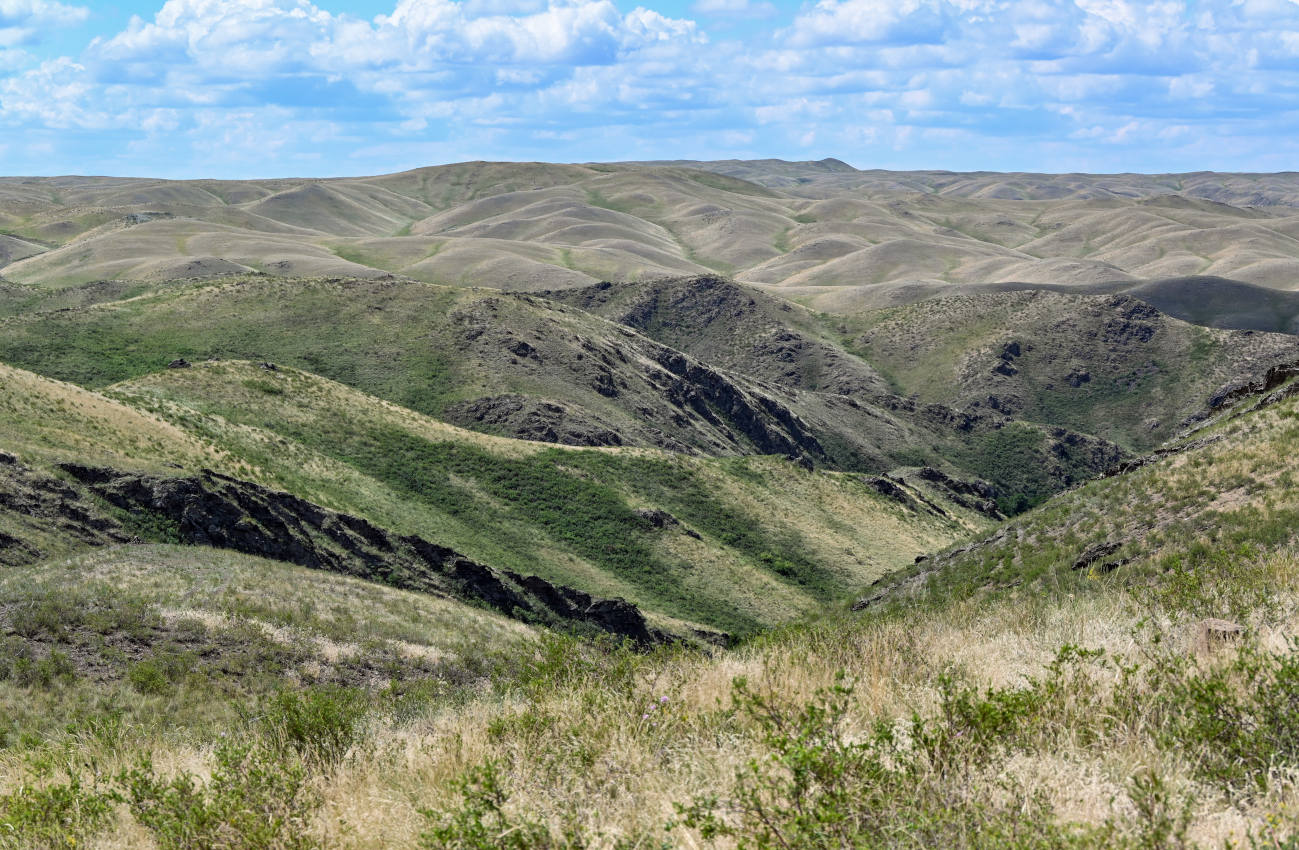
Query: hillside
x,y
644,505
814,228
713,542
1111,366
1025,688
522,366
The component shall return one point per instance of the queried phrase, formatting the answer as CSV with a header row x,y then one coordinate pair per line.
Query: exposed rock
x,y
1212,634
1160,454
43,503
896,489
770,426
1273,378
1096,553
719,639
216,510
179,363
533,419
973,495
657,518
269,367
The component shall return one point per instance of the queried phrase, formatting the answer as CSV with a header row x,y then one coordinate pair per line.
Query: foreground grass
x,y
1026,721
1013,702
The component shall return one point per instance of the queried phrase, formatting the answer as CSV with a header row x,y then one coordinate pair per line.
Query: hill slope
x,y
731,544
528,226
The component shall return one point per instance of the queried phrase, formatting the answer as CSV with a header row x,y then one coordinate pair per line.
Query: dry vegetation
x,y
1117,667
841,238
1015,703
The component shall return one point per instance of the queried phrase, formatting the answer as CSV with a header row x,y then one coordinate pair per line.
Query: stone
x,y
1096,552
1212,634
179,363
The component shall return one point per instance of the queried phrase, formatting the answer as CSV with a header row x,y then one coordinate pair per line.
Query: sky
x,y
269,88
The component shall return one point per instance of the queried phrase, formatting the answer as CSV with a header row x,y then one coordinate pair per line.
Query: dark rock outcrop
x,y
216,510
1095,555
39,502
532,419
973,495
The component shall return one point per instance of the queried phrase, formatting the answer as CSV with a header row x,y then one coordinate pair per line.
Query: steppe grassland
x,y
577,750
585,743
836,520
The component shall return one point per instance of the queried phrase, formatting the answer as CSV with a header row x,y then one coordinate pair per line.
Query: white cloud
x,y
507,77
871,22
733,8
25,21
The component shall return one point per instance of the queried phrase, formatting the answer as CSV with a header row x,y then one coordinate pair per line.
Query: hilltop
x,y
825,233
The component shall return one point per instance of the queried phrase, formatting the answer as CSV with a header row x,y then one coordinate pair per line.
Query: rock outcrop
x,y
212,509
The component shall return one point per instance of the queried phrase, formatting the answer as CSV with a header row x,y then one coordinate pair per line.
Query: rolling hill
x,y
637,505
812,228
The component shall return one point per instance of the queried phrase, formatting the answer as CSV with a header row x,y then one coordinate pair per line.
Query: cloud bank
x,y
260,87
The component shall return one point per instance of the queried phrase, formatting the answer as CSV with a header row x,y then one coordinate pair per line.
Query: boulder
x,y
1213,634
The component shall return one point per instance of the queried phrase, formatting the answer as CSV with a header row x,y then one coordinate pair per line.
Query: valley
x,y
653,504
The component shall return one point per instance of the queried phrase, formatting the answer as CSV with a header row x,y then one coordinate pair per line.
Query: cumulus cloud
x,y
23,21
733,8
939,81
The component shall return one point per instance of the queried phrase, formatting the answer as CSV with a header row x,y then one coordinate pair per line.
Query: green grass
x,y
568,515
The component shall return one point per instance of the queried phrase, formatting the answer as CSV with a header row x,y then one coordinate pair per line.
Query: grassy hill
x,y
1111,366
518,506
1005,698
769,379
728,543
526,226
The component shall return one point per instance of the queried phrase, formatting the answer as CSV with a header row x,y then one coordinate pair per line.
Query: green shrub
x,y
1241,716
815,786
481,823
54,815
256,800
320,724
159,675
27,669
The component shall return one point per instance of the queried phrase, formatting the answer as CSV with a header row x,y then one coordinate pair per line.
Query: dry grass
x,y
581,752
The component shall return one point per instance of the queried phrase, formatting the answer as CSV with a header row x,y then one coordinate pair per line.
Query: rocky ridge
x,y
211,509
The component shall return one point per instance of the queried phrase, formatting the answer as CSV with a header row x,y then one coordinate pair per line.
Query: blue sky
x,y
259,88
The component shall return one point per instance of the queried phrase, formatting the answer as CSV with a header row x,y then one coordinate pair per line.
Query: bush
x,y
481,822
254,801
1241,716
814,786
57,815
30,671
158,675
320,724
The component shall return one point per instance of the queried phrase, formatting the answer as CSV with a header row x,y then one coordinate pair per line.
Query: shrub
x,y
56,815
158,675
814,786
1241,716
320,724
254,801
481,822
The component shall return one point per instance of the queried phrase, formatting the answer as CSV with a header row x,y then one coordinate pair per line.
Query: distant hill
x,y
818,231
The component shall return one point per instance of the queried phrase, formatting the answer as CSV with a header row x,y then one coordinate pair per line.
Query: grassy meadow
x,y
1006,700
